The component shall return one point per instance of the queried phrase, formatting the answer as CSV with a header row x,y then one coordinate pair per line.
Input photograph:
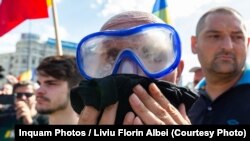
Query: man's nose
x,y
40,90
127,66
23,97
227,43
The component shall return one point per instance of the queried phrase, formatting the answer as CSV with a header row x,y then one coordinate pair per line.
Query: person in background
x,y
6,89
7,108
25,104
198,75
56,76
221,44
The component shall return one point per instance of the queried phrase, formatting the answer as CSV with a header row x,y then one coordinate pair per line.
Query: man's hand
x,y
154,109
150,109
89,115
23,112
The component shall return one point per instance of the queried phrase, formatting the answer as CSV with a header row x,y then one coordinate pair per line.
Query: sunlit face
x,y
7,89
172,77
52,96
222,44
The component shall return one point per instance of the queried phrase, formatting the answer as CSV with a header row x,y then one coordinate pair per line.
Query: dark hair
x,y
62,68
227,10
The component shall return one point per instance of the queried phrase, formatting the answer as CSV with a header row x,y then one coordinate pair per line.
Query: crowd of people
x,y
141,44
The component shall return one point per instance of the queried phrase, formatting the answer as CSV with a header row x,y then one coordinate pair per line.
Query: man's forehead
x,y
130,19
46,78
28,87
215,19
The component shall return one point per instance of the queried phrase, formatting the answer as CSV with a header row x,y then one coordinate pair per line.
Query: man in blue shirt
x,y
221,44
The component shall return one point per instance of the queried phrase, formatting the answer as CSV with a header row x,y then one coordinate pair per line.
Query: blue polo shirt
x,y
231,108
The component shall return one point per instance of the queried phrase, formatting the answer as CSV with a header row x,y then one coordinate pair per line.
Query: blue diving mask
x,y
151,50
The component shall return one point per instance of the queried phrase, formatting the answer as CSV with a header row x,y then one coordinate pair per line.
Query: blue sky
x,y
78,18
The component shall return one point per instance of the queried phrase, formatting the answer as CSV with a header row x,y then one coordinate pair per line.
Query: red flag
x,y
13,12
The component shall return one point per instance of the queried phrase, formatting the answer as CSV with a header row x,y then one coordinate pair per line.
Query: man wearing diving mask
x,y
133,48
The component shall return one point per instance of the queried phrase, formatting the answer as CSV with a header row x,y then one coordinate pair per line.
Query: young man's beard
x,y
62,106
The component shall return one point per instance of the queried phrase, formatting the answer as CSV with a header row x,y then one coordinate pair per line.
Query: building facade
x,y
30,51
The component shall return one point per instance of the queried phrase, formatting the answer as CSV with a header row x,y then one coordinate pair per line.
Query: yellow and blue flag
x,y
160,9
27,75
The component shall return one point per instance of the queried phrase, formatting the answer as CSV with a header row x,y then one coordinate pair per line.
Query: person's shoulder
x,y
245,76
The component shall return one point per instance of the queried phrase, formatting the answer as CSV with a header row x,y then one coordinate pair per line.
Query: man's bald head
x,y
130,19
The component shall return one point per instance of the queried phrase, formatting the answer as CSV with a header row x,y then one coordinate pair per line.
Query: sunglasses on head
x,y
20,95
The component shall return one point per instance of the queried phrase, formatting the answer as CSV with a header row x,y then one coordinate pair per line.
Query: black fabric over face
x,y
103,92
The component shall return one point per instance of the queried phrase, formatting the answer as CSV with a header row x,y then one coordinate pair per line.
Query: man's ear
x,y
180,69
194,44
248,41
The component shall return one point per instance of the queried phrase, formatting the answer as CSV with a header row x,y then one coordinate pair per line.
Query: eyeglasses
x,y
20,95
155,48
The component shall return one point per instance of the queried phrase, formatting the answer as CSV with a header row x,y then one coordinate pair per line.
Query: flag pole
x,y
55,19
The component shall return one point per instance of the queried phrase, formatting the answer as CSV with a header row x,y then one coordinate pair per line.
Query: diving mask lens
x,y
154,48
